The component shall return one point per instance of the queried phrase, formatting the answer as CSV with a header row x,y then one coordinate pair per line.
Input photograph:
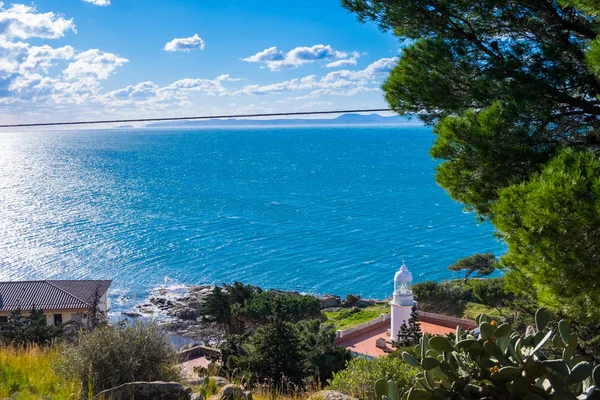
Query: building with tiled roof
x,y
61,300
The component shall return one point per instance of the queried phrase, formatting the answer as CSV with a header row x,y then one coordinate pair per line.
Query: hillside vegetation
x,y
27,373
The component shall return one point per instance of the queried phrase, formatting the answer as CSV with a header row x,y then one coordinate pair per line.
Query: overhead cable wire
x,y
204,117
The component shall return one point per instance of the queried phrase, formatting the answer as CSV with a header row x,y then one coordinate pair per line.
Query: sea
x,y
320,210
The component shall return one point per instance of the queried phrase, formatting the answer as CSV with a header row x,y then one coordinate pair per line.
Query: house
x,y
62,300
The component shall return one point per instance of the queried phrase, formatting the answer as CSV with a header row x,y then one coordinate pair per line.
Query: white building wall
x,y
400,314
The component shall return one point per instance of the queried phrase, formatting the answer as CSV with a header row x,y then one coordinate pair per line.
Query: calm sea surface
x,y
320,210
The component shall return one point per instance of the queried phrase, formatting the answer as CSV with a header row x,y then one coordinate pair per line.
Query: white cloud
x,y
185,44
353,82
24,22
344,62
150,93
94,64
275,59
142,90
99,2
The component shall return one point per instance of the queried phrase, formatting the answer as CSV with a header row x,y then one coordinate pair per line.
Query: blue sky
x,y
82,59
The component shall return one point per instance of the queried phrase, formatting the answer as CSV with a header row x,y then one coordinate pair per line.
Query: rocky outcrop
x,y
181,310
232,392
330,395
328,301
220,382
147,391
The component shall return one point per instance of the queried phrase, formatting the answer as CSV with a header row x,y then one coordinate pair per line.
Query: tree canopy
x,y
481,264
285,354
240,308
511,90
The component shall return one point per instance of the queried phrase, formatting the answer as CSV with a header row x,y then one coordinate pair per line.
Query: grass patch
x,y
347,318
28,374
474,309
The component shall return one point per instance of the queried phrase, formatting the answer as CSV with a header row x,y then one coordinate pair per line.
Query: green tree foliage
x,y
358,378
512,89
113,355
552,226
500,364
30,329
284,354
491,292
442,297
480,264
241,308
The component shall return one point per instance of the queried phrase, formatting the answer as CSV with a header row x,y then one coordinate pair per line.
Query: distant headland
x,y
344,119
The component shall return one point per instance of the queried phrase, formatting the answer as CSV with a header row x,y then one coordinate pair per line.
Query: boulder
x,y
330,301
147,391
184,313
365,303
131,314
330,395
219,381
231,392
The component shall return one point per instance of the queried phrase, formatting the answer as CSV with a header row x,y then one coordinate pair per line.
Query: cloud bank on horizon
x,y
40,80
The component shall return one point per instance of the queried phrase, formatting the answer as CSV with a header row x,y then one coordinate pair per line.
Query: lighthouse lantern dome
x,y
403,281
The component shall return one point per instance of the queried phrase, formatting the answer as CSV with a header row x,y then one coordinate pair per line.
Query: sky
x,y
110,59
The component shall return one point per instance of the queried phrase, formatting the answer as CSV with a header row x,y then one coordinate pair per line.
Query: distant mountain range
x,y
344,119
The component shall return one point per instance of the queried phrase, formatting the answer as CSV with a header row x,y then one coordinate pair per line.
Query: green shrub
x,y
358,378
448,297
114,355
285,355
501,364
29,329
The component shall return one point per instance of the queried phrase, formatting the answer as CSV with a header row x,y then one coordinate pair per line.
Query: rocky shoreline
x,y
180,311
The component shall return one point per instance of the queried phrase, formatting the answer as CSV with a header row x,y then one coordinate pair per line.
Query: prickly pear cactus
x,y
500,364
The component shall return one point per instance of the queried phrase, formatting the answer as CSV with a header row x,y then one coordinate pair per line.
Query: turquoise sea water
x,y
319,210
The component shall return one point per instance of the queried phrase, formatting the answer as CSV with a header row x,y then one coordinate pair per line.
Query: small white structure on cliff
x,y
402,301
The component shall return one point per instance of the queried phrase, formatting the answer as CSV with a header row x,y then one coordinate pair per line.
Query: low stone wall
x,y
344,334
444,320
384,319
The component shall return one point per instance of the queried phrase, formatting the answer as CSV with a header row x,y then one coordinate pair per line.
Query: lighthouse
x,y
402,300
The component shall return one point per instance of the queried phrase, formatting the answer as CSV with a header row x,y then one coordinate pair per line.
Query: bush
x,y
501,364
448,297
283,354
114,355
357,380
490,292
30,329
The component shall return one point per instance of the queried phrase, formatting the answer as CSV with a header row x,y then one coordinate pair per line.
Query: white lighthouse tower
x,y
402,301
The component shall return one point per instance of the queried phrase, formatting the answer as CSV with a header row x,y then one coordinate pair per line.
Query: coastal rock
x,y
231,392
183,312
147,391
330,301
330,395
219,381
145,308
365,303
161,302
132,314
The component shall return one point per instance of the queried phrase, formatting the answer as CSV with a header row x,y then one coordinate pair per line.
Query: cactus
x,y
499,364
